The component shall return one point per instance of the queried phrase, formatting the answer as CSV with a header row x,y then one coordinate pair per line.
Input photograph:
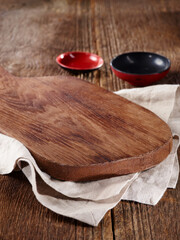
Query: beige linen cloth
x,y
88,202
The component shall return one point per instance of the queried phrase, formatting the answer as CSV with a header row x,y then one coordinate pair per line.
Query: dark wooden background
x,y
32,34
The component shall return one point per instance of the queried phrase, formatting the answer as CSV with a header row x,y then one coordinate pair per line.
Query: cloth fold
x,y
88,202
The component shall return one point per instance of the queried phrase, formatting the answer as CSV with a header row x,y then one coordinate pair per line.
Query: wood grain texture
x,y
77,131
33,33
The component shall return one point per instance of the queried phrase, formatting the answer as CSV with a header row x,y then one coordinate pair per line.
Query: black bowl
x,y
140,68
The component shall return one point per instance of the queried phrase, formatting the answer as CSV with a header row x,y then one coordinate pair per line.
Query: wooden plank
x,y
23,217
44,29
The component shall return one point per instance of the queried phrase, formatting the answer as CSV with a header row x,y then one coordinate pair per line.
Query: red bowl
x,y
80,61
140,68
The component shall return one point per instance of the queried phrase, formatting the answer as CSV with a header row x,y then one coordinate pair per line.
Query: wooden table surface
x,y
32,34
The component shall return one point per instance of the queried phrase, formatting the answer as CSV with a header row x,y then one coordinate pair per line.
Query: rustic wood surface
x,y
78,131
33,33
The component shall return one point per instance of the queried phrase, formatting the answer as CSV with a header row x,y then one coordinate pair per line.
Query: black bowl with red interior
x,y
140,68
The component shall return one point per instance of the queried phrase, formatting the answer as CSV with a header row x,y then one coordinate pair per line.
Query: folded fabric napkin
x,y
88,202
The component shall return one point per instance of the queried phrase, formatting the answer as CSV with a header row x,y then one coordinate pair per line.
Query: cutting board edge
x,y
108,169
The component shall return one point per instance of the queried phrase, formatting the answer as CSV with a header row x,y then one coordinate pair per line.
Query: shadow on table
x,y
173,77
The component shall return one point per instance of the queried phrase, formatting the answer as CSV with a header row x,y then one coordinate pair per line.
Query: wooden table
x,y
33,33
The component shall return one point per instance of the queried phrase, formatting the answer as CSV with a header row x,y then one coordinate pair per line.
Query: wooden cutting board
x,y
78,131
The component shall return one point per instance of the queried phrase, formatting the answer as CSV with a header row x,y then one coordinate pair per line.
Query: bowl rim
x,y
142,74
79,68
